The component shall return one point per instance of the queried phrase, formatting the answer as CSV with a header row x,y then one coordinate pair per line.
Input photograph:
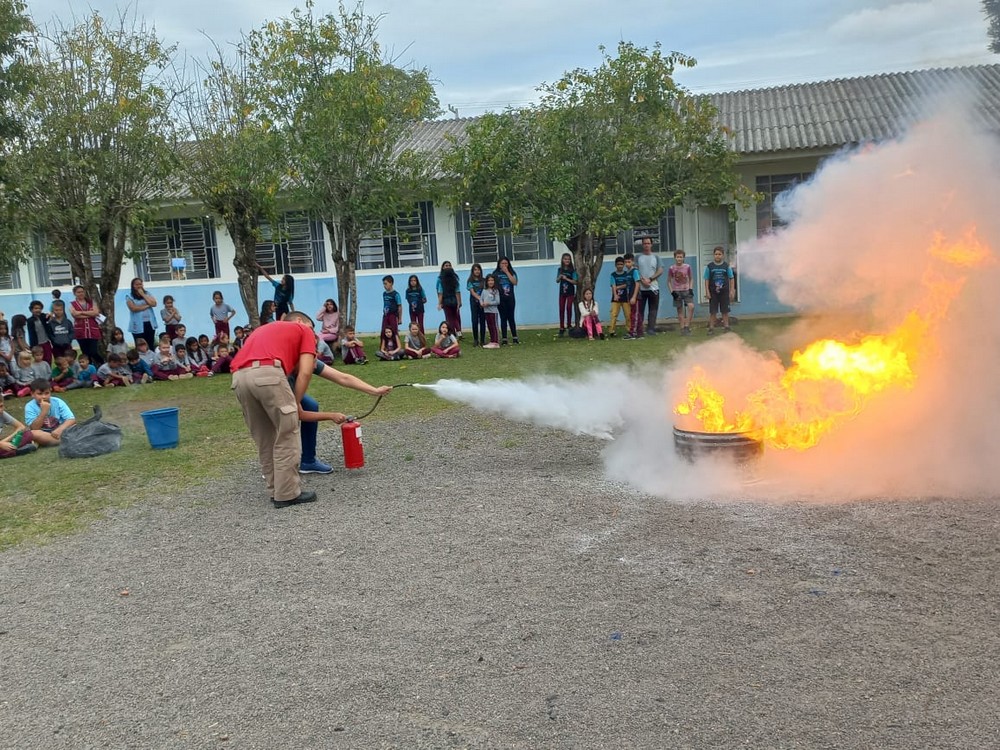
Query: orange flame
x,y
830,381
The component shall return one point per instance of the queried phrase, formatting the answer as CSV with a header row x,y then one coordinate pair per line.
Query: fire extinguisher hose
x,y
375,405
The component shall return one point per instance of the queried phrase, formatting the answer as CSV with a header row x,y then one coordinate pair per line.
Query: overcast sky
x,y
491,54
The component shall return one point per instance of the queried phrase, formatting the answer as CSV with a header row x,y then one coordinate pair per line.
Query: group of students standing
x,y
635,291
492,301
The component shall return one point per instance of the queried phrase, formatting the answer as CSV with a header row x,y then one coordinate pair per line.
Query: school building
x,y
782,134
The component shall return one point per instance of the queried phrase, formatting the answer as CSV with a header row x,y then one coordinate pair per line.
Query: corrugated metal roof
x,y
819,115
831,114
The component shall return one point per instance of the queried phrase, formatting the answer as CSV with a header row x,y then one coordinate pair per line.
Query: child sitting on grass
x,y
141,372
352,351
19,440
446,343
86,375
415,345
8,386
47,416
62,374
114,373
222,359
22,373
389,349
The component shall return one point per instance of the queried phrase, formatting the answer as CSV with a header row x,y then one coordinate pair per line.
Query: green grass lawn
x,y
45,495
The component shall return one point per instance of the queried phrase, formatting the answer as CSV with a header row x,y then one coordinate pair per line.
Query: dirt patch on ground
x,y
480,584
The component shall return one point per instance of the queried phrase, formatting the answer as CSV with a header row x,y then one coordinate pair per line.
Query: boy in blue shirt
x,y
719,288
47,416
392,305
632,290
619,295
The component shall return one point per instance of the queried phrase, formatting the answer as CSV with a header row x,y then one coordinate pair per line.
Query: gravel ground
x,y
492,590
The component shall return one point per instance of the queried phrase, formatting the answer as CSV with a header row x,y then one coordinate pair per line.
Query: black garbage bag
x,y
90,438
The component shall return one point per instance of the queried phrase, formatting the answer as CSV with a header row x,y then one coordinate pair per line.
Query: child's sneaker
x,y
516,340
711,331
562,332
503,342
97,385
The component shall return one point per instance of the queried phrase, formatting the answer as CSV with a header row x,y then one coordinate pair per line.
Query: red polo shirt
x,y
284,341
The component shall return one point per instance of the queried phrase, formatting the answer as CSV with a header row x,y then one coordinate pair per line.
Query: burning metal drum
x,y
737,447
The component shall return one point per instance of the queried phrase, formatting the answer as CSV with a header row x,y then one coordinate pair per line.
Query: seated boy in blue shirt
x,y
47,416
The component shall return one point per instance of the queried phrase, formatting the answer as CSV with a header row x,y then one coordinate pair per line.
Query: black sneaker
x,y
304,497
562,332
503,342
516,341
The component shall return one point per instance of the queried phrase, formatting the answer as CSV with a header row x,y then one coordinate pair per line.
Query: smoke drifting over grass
x,y
874,236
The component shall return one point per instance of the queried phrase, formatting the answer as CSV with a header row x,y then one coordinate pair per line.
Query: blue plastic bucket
x,y
162,427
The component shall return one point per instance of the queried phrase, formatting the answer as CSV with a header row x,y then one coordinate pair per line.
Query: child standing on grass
x,y
474,285
62,329
267,312
619,296
388,347
221,313
446,343
171,316
415,301
680,282
490,300
415,346
392,304
284,293
719,288
352,351
449,298
632,290
566,278
590,316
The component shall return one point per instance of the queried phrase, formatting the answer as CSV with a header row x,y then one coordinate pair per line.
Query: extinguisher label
x,y
358,434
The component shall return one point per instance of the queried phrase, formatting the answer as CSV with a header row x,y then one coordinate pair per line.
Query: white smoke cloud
x,y
856,260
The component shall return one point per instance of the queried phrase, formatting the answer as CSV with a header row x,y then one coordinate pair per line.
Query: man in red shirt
x,y
270,406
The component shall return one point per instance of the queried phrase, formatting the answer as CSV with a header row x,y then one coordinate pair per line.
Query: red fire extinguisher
x,y
354,449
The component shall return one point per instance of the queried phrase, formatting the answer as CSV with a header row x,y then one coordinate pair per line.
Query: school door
x,y
715,229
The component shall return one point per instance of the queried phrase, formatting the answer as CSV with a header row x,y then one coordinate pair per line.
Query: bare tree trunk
x,y
588,257
245,263
353,242
113,240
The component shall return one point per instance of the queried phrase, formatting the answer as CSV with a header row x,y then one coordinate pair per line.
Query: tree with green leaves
x,y
345,109
15,80
233,163
602,151
991,9
96,149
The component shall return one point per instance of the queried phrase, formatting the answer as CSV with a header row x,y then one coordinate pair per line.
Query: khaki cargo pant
x,y
272,416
